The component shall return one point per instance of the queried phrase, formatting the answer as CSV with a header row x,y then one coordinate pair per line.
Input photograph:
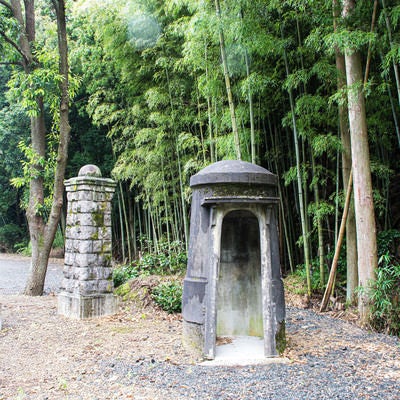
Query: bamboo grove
x,y
172,86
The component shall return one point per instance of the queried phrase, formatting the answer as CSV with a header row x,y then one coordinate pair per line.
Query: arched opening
x,y
239,293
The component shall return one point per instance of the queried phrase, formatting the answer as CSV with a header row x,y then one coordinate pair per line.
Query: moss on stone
x,y
124,291
280,338
134,294
240,190
98,218
95,236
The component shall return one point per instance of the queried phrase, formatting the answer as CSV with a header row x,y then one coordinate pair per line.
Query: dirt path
x,y
45,355
138,354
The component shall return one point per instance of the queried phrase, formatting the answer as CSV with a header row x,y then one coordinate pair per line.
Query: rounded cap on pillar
x,y
90,170
233,171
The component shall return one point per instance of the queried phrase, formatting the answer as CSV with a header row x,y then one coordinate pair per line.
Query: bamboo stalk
x,y
370,43
228,83
321,254
342,229
301,196
395,66
251,111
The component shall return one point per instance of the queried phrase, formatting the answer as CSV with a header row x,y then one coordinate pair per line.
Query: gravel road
x,y
14,271
348,363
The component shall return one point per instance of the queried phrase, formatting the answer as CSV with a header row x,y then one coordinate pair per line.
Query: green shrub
x,y
58,242
384,293
171,259
123,273
10,235
24,248
315,275
168,296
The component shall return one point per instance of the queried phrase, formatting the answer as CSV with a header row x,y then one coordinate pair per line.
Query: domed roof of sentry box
x,y
233,171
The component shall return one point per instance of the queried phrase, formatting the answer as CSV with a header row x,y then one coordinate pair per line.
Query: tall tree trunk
x,y
228,83
35,211
363,200
351,238
42,234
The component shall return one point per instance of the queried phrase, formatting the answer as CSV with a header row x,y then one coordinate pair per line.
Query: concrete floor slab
x,y
241,351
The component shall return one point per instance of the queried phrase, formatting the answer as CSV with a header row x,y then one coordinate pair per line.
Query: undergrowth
x,y
168,296
170,260
384,291
384,295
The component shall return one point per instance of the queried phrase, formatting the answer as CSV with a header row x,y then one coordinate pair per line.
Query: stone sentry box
x,y
87,287
233,284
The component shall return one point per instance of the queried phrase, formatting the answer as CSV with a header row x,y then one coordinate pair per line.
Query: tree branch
x,y
30,20
12,43
5,4
56,6
370,42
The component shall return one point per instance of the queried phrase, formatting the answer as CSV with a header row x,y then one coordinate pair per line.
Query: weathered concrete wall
x,y
87,285
233,284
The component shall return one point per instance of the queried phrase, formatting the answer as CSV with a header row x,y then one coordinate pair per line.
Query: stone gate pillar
x,y
87,287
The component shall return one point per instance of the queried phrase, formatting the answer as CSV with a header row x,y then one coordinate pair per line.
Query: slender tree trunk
x,y
203,148
282,208
177,219
395,119
395,66
332,274
42,234
132,222
126,223
181,185
168,220
302,207
251,111
35,210
209,112
253,150
121,225
363,199
321,254
141,227
351,237
228,83
368,63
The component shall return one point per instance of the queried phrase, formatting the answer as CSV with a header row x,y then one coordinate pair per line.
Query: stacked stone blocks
x,y
87,285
